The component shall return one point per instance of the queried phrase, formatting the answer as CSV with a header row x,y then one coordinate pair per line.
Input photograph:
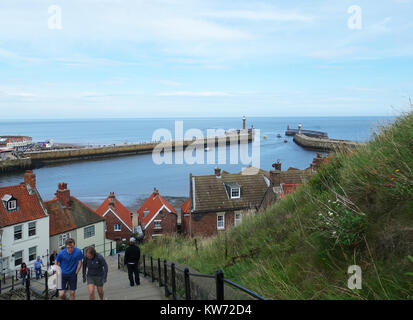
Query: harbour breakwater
x,y
41,158
15,165
325,144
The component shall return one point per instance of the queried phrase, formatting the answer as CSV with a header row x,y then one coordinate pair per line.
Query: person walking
x,y
38,263
132,256
23,273
52,258
69,261
97,272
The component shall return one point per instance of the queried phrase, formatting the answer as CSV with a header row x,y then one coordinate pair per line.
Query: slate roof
x,y
153,204
295,176
29,206
209,193
121,211
77,215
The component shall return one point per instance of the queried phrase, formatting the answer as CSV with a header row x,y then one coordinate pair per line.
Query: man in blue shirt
x,y
70,262
38,263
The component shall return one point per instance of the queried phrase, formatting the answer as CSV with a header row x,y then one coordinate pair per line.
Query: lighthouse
x,y
243,122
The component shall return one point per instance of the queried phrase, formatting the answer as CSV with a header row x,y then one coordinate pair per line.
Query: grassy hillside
x,y
357,210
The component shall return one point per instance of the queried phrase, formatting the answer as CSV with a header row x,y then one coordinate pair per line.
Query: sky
x,y
209,58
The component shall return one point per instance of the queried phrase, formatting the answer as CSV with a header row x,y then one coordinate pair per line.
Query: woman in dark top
x,y
97,272
53,257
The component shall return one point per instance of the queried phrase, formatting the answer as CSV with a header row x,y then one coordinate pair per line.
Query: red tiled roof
x,y
121,211
77,215
288,188
59,218
186,206
153,204
29,207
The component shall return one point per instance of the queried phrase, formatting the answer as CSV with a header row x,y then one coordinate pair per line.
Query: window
x,y
157,224
89,232
118,227
32,253
18,258
32,229
235,193
145,213
238,218
220,221
18,232
12,205
62,239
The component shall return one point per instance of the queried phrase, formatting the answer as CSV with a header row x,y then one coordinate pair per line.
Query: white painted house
x,y
71,218
25,225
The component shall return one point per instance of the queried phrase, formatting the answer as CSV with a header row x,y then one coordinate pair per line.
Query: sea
x,y
134,177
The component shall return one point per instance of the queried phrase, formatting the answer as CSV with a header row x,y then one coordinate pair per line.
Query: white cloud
x,y
260,15
194,94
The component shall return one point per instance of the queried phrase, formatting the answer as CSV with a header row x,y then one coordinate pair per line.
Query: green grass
x,y
357,210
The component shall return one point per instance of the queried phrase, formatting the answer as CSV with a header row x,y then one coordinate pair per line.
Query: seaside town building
x,y
118,219
218,202
71,218
157,216
24,223
15,142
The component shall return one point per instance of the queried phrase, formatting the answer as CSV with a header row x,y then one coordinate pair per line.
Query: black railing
x,y
169,282
28,283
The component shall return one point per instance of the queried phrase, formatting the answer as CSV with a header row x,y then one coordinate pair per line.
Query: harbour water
x,y
133,178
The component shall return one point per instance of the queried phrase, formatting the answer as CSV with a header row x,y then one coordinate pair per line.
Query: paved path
x,y
117,287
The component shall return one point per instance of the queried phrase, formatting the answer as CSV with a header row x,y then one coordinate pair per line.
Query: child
x,y
23,273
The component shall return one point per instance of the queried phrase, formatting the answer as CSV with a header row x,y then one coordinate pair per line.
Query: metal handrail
x,y
219,278
251,293
201,275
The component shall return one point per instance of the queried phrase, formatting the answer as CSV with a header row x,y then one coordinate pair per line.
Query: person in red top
x,y
23,273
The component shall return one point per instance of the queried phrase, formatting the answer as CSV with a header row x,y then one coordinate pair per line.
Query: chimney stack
x,y
277,165
30,179
155,192
112,199
218,172
63,194
275,175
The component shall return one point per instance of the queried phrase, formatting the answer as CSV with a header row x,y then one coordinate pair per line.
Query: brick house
x,y
71,218
118,218
24,223
185,214
218,202
157,216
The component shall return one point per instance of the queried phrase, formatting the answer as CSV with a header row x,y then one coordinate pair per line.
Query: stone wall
x,y
325,144
52,156
15,165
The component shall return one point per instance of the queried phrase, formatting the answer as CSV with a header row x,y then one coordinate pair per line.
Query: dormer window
x,y
9,202
145,213
233,190
235,193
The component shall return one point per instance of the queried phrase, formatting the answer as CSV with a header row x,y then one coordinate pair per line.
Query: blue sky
x,y
176,58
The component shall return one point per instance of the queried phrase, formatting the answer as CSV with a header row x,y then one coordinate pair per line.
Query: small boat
x,y
278,136
285,141
265,137
207,149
